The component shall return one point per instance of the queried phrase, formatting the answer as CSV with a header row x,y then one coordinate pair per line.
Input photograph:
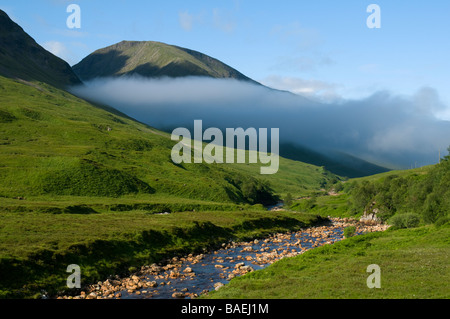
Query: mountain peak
x,y
21,57
152,59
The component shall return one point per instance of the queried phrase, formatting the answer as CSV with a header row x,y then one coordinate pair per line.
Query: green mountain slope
x,y
155,59
54,144
21,57
79,184
338,163
152,59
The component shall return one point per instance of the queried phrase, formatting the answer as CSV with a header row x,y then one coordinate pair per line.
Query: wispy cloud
x,y
304,63
319,90
389,128
68,33
305,38
223,20
186,20
60,50
216,18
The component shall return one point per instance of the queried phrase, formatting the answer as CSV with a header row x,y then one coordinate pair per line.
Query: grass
x,y
334,206
414,264
402,173
152,59
81,184
53,143
36,247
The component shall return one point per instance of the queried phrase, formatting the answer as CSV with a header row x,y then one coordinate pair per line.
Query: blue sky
x,y
321,47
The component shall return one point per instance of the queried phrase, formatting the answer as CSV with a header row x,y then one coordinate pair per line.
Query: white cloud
x,y
304,63
60,50
218,19
316,89
304,38
223,21
384,126
186,20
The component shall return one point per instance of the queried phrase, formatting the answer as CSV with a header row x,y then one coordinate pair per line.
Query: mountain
x,y
338,163
55,145
152,59
156,59
96,181
22,58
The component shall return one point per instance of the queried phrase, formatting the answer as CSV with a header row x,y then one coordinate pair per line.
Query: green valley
x,y
413,253
82,183
89,172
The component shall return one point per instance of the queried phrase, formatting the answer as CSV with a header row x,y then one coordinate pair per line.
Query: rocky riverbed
x,y
193,275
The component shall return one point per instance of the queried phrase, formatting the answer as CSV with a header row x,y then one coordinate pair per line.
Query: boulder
x,y
218,285
370,217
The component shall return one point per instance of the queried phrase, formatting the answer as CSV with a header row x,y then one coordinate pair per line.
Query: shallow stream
x,y
207,270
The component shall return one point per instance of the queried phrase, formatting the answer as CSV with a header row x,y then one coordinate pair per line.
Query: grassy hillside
x,y
416,196
53,144
338,163
414,264
21,57
152,59
156,59
422,195
413,254
80,184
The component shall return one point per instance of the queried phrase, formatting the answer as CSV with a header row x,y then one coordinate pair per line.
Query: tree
x,y
363,194
447,157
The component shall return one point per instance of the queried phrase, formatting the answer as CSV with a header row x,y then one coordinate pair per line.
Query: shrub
x,y
442,221
349,231
362,194
338,187
432,208
408,220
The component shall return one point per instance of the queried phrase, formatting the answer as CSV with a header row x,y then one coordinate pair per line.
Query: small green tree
x,y
349,231
363,194
447,157
407,220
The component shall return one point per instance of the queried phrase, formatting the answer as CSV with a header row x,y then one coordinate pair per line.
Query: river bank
x,y
192,275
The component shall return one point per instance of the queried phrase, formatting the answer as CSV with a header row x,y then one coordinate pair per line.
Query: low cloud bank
x,y
399,131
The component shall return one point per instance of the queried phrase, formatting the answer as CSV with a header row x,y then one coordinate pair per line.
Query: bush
x,y
349,231
408,220
442,221
362,195
338,187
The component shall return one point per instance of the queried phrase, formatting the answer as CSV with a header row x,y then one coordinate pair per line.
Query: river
x,y
193,275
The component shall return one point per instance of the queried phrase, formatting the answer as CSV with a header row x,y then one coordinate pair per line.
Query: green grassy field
x,y
53,143
36,248
414,263
84,184
335,206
